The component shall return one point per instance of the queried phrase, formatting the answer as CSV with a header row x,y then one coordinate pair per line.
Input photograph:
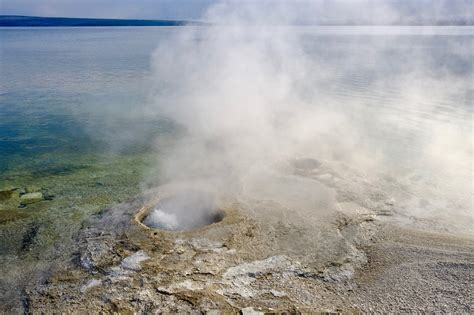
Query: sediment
x,y
308,242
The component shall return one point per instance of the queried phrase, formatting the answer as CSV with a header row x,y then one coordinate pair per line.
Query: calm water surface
x,y
73,89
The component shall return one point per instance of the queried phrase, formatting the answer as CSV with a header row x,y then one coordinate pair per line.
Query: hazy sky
x,y
193,9
148,9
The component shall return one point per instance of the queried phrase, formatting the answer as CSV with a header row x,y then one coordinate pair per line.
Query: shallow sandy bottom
x,y
308,242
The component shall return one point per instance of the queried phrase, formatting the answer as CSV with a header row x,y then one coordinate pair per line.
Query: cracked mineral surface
x,y
295,245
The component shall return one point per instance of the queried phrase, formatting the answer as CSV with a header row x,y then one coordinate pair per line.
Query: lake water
x,y
59,85
73,119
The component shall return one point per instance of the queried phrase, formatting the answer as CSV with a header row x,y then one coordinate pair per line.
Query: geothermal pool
x,y
187,210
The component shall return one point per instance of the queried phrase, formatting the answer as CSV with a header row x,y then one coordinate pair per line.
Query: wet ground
x,y
37,236
279,248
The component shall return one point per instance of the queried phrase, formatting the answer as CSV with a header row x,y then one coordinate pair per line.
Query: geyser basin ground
x,y
187,210
268,253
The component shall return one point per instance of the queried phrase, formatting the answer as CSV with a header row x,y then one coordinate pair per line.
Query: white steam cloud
x,y
252,96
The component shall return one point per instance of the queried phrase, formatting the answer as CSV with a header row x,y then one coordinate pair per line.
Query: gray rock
x,y
250,311
133,262
277,293
32,197
97,254
279,263
8,192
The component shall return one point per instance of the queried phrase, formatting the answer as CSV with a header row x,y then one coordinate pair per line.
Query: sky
x,y
194,9
141,9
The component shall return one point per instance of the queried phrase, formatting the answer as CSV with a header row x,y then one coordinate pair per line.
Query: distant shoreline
x,y
37,21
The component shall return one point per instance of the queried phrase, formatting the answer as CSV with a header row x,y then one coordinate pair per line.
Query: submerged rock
x,y
32,197
12,198
9,198
6,193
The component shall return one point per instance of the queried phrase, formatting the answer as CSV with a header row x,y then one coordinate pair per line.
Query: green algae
x,y
82,185
39,238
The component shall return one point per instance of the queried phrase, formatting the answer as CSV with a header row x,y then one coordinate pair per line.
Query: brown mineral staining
x,y
265,255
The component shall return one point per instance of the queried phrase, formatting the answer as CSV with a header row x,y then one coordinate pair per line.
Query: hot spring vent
x,y
184,212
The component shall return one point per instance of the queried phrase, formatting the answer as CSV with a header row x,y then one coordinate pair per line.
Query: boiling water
x,y
187,210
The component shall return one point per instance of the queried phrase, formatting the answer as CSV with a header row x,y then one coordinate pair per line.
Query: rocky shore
x,y
309,242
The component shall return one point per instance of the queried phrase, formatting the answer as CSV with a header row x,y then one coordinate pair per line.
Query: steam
x,y
251,96
187,210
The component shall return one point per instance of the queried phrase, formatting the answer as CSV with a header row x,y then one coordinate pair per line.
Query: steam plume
x,y
251,94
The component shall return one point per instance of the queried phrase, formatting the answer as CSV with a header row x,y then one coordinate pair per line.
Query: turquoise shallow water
x,y
73,119
66,90
70,124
